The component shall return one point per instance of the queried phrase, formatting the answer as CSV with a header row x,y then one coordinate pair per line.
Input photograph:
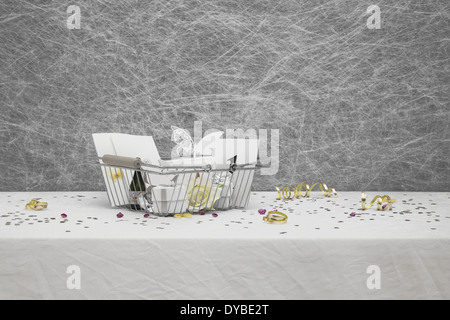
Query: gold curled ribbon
x,y
278,193
325,190
287,194
299,188
379,200
298,191
36,205
275,217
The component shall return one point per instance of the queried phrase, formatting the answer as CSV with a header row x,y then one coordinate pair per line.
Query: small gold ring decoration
x,y
275,217
36,205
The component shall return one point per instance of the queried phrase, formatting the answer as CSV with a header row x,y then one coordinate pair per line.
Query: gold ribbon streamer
x,y
275,217
379,200
287,194
299,188
285,191
325,190
278,193
36,205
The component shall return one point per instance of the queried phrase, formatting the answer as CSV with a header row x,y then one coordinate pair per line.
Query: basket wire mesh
x,y
185,189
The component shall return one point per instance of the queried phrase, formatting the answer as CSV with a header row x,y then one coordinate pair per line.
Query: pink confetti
x,y
384,206
64,215
262,211
202,213
120,215
352,214
215,215
146,215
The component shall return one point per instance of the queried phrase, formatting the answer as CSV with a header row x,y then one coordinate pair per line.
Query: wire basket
x,y
168,190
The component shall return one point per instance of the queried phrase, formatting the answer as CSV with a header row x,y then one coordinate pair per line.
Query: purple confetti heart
x,y
64,215
352,214
146,215
120,215
215,215
262,211
202,213
384,207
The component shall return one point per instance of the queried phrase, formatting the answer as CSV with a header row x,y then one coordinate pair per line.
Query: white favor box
x,y
168,199
183,162
225,197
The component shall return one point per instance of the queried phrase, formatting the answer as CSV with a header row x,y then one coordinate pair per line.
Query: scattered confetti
x,y
408,212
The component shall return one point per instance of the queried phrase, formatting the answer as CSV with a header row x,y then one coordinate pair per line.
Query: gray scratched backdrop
x,y
356,108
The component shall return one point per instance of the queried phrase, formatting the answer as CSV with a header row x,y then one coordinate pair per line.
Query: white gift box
x,y
168,199
183,162
246,151
225,197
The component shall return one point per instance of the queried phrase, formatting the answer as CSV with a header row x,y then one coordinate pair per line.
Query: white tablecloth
x,y
321,253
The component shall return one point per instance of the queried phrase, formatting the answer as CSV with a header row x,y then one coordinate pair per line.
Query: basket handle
x,y
119,161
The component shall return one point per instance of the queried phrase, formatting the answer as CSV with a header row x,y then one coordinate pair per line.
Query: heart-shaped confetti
x,y
352,214
146,215
202,213
262,211
120,215
215,215
63,215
